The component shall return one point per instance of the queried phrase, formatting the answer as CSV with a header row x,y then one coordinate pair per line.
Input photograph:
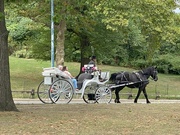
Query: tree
x,y
154,20
6,100
70,15
118,32
39,12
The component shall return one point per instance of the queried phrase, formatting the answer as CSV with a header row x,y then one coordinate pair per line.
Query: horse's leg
x,y
117,96
146,96
117,90
138,94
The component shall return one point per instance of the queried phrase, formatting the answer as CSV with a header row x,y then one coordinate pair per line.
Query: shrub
x,y
167,64
140,63
23,54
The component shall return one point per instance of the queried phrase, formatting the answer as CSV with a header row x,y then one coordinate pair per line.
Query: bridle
x,y
153,76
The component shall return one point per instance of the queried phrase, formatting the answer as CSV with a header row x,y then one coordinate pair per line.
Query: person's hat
x,y
93,57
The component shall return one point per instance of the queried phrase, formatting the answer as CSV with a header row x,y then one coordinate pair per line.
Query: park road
x,y
81,101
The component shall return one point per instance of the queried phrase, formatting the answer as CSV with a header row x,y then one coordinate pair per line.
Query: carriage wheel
x,y
89,93
61,91
43,93
103,95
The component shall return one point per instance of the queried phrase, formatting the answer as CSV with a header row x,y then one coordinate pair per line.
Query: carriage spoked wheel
x,y
43,93
61,91
89,93
103,94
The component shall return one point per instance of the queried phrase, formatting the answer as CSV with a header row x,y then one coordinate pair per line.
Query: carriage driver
x,y
93,62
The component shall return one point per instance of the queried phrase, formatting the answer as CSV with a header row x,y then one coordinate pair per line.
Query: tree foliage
x,y
153,19
118,32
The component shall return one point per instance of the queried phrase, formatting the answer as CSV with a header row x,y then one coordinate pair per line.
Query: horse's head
x,y
153,73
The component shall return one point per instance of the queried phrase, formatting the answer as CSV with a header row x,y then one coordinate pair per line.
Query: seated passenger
x,y
60,67
61,73
65,70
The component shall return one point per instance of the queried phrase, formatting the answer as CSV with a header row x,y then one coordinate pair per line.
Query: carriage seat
x,y
81,79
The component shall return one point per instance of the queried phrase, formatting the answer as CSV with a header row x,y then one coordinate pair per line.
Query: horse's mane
x,y
113,77
147,70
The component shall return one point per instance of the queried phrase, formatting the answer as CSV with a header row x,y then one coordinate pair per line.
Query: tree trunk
x,y
60,43
6,100
84,41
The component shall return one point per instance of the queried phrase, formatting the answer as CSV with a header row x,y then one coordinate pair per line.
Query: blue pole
x,y
52,33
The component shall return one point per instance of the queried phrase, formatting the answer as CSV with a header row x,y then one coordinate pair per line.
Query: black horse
x,y
137,79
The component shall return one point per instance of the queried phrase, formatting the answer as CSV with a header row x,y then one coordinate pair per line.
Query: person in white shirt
x,y
62,74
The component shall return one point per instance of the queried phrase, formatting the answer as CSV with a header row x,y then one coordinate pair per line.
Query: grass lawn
x,y
92,119
89,119
26,74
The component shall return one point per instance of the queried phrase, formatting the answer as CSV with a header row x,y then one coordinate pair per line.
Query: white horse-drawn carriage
x,y
56,88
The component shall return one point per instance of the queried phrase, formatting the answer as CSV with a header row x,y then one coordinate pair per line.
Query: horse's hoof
x,y
117,101
135,101
148,102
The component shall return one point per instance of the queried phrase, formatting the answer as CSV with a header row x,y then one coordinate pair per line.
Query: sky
x,y
177,10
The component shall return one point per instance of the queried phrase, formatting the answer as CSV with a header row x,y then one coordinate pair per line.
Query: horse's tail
x,y
113,77
122,77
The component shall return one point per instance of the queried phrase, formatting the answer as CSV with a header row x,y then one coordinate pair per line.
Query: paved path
x,y
81,101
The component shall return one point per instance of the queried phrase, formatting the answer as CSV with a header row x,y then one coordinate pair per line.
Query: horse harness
x,y
138,75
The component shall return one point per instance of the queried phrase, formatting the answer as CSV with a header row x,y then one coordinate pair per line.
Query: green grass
x,y
26,74
92,119
89,119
